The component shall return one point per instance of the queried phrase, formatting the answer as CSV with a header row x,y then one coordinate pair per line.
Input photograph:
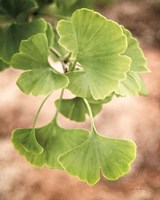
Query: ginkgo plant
x,y
100,60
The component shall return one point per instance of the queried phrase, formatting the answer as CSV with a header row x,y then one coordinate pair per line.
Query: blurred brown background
x,y
136,118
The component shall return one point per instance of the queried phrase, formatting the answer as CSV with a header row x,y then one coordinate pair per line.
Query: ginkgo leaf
x,y
14,8
3,65
139,62
75,109
26,140
11,36
112,156
41,77
54,141
97,45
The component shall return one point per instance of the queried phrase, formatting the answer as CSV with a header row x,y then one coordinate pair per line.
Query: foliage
x,y
100,60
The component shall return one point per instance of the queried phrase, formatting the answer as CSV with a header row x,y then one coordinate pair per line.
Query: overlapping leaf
x,y
132,84
75,109
11,36
53,141
41,77
112,156
139,62
97,44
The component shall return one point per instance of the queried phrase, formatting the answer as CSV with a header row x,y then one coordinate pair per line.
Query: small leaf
x,y
53,139
75,109
112,156
139,62
10,37
3,65
97,46
27,140
41,77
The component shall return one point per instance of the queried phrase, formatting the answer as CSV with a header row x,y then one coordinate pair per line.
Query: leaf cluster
x,y
100,60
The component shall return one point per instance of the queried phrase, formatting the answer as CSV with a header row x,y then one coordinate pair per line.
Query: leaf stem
x,y
60,98
55,52
93,128
72,66
37,115
59,56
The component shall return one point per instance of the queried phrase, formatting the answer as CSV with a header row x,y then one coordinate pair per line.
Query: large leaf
x,y
10,37
41,77
14,8
112,156
97,44
54,141
75,109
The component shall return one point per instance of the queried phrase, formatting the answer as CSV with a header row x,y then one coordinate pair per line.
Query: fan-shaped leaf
x,y
42,78
97,44
112,156
54,141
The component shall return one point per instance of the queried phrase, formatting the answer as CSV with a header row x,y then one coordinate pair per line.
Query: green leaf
x,y
53,139
132,85
139,62
41,77
10,37
14,8
97,44
75,109
26,140
3,65
112,156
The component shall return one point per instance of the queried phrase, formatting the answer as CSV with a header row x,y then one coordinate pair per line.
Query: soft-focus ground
x,y
134,118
